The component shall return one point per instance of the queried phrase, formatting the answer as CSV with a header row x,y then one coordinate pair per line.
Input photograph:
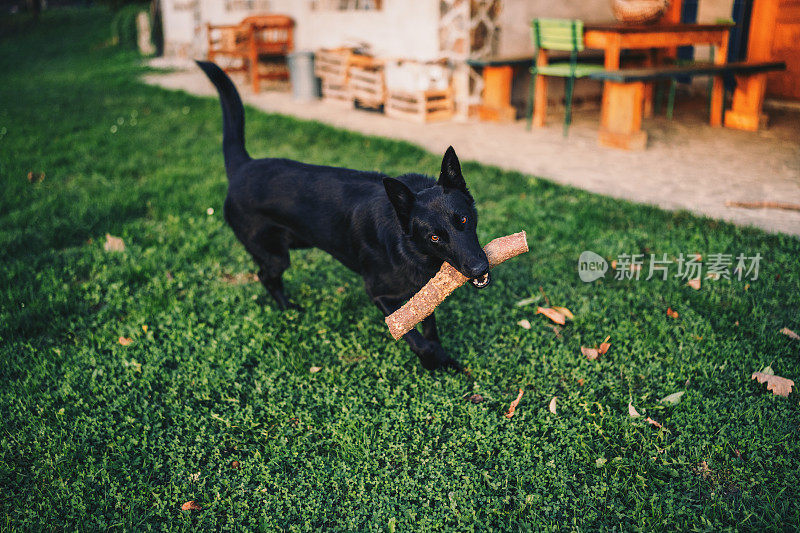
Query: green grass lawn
x,y
213,400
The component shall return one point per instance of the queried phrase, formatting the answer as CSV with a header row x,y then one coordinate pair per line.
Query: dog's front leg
x,y
428,348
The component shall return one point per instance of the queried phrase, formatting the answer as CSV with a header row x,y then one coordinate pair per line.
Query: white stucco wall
x,y
402,28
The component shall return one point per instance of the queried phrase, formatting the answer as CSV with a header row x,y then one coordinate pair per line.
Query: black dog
x,y
394,232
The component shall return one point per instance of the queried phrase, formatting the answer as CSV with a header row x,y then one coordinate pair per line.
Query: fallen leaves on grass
x,y
552,314
113,244
553,405
673,398
778,385
672,313
514,404
791,334
632,412
125,341
475,398
604,346
566,312
694,283
524,323
191,505
653,422
591,353
315,369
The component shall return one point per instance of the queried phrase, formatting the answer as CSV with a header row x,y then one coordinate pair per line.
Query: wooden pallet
x,y
367,86
334,64
423,106
336,92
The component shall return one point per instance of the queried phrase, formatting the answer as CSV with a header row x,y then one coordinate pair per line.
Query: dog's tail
x,y
232,117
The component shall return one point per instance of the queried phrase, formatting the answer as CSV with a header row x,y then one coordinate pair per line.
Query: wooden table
x,y
624,104
498,72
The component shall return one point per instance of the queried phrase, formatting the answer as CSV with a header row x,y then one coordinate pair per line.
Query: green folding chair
x,y
564,35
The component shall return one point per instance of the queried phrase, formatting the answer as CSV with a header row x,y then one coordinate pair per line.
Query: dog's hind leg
x,y
268,244
270,249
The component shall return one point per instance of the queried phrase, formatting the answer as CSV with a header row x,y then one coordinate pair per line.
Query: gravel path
x,y
687,164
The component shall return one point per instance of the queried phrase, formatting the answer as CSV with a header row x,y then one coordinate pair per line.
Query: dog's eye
x,y
434,238
463,220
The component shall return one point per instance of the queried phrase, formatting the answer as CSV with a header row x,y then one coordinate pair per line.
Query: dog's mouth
x,y
481,282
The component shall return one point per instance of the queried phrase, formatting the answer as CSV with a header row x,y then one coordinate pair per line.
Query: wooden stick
x,y
763,204
446,281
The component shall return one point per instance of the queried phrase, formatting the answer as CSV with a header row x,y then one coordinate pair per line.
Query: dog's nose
x,y
476,269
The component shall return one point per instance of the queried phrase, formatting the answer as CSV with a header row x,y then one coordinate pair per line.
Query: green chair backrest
x,y
558,34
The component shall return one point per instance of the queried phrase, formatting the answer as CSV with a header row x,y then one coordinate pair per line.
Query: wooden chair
x,y
563,35
255,37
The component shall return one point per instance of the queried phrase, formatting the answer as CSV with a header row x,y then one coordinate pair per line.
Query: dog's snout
x,y
477,269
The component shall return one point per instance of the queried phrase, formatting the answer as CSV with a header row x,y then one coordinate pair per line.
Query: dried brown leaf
x,y
791,334
566,312
694,283
604,346
653,422
778,385
590,353
552,406
524,323
552,314
315,369
475,398
113,244
632,412
191,505
671,313
514,404
125,341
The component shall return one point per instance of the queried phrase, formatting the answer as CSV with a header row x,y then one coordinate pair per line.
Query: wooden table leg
x,y
540,96
496,104
718,88
748,98
621,116
651,60
621,112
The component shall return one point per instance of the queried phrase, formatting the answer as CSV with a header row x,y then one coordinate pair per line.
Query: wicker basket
x,y
639,11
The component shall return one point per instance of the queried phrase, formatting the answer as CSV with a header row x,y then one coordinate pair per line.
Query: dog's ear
x,y
450,176
402,199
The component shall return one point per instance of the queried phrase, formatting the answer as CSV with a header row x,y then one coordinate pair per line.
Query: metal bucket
x,y
305,85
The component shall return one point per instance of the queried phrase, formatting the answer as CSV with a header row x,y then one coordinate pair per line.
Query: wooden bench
x,y
254,37
621,114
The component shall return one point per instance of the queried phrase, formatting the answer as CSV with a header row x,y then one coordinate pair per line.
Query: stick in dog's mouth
x,y
481,282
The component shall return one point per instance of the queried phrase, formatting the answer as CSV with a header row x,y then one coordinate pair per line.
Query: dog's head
x,y
441,220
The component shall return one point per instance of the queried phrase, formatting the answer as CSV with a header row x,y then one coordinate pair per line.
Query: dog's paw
x,y
436,358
